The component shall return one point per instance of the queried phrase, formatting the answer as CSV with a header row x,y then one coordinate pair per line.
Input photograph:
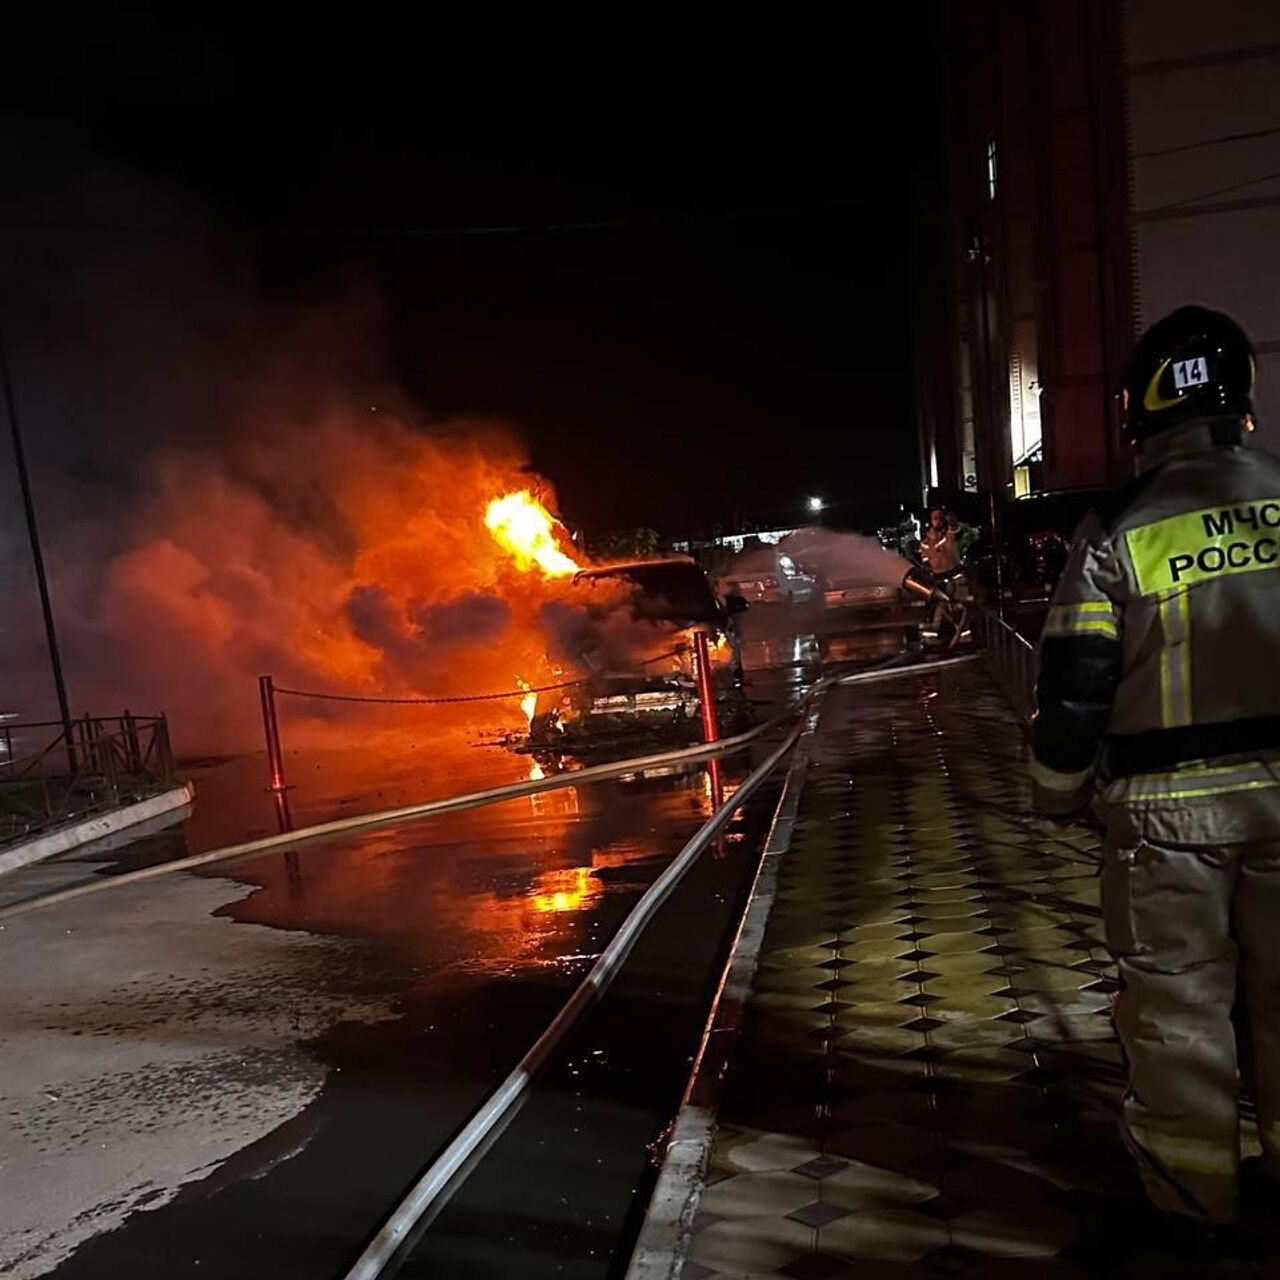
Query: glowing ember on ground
x,y
524,527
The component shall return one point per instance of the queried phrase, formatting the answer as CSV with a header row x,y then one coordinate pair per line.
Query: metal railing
x,y
52,773
1012,658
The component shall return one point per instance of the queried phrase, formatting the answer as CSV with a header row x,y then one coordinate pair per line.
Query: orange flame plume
x,y
523,526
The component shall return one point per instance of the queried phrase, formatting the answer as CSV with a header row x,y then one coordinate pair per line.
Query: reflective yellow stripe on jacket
x,y
1189,1154
1194,781
1093,618
1175,659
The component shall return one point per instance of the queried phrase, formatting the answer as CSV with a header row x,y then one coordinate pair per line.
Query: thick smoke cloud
x,y
844,558
412,641
230,483
603,634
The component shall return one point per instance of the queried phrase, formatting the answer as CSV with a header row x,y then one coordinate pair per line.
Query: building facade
x,y
1105,161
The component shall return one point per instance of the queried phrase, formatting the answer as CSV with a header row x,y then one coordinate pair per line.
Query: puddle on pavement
x,y
514,884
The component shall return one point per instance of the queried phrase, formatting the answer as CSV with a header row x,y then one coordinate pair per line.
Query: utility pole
x,y
37,556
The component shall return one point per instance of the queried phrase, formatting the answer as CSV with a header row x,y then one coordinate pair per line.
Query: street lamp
x,y
815,504
37,556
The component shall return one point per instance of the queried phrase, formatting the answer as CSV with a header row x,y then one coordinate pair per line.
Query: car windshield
x,y
664,592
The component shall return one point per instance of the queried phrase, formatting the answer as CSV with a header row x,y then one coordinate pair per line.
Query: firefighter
x,y
939,547
1159,702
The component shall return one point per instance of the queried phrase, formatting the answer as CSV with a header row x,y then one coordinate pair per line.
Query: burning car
x,y
629,628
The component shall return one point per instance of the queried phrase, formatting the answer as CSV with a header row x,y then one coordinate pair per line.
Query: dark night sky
x,y
740,339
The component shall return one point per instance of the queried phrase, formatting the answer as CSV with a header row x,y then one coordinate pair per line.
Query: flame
x,y
523,526
529,703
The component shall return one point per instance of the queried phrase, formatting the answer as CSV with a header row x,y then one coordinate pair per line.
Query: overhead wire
x,y
1206,142
1209,195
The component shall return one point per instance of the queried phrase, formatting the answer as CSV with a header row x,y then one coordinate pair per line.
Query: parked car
x,y
766,575
632,638
862,595
851,571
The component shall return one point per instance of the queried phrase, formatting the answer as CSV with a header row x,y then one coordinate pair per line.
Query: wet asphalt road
x,y
482,928
474,926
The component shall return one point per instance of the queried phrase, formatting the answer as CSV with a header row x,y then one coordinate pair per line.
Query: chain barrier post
x,y
706,692
271,728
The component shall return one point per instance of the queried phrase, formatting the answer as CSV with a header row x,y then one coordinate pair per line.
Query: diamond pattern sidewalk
x,y
926,1081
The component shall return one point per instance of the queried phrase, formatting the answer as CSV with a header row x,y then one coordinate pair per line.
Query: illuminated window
x,y
991,166
1025,427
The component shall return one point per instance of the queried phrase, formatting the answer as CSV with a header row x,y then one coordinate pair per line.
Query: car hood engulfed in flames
x,y
625,633
619,649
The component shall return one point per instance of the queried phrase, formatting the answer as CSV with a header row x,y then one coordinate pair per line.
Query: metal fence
x,y
1012,658
52,773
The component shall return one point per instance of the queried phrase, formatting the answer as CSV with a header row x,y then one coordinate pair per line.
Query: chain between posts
x,y
268,690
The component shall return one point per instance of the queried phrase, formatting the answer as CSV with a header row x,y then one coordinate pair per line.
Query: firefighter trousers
x,y
1186,923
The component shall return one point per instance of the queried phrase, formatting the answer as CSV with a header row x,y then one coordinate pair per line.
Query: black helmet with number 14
x,y
1195,363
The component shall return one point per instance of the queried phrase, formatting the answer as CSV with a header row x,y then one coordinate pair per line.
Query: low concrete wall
x,y
71,836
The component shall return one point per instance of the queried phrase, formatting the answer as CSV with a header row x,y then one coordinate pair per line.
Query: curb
x,y
62,839
662,1244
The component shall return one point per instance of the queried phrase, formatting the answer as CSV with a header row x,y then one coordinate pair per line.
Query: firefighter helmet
x,y
1195,363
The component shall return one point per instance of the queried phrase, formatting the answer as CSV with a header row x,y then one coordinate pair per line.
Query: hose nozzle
x,y
922,582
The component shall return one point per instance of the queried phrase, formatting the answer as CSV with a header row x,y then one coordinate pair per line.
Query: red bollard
x,y
706,691
271,727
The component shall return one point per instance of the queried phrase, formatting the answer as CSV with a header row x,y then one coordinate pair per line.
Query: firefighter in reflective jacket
x,y
1159,702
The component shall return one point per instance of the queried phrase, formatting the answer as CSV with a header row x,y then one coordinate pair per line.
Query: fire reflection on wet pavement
x,y
511,884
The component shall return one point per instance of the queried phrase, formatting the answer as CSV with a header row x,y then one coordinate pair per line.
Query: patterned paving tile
x,y
753,1246
886,1234
752,1195
754,1152
926,1077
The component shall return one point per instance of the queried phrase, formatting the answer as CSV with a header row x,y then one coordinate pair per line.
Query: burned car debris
x,y
629,631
